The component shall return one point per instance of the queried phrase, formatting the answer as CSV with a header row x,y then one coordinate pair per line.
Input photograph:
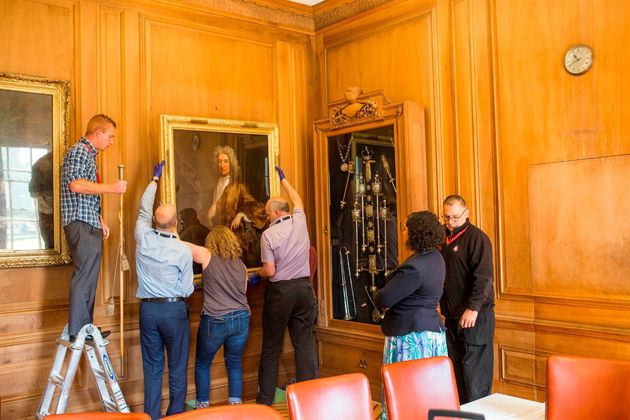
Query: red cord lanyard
x,y
98,176
451,240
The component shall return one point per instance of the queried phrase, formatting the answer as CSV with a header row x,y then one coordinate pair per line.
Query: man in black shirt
x,y
468,301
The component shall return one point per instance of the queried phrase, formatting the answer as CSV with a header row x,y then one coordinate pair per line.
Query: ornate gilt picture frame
x,y
34,126
203,196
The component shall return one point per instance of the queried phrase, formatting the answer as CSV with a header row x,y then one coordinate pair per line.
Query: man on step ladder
x,y
90,342
83,224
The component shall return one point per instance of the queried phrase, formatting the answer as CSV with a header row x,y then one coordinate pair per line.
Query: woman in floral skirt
x,y
412,326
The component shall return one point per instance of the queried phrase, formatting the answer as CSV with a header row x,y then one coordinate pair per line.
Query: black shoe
x,y
104,334
72,338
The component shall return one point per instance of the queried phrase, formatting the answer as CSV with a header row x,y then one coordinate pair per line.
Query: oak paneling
x,y
396,48
513,107
136,60
584,258
190,73
557,270
546,115
37,38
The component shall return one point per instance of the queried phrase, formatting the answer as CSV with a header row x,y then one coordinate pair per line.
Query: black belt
x,y
163,300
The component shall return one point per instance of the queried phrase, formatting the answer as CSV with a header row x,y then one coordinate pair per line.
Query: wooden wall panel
x,y
136,61
543,113
36,38
198,72
400,49
581,259
545,120
501,103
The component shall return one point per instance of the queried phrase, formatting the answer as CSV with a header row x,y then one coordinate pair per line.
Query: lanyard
x,y
451,240
282,219
98,175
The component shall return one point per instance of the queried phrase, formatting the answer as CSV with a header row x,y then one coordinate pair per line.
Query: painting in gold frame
x,y
194,183
34,124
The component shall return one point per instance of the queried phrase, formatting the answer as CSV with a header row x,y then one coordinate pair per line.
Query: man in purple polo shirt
x,y
289,298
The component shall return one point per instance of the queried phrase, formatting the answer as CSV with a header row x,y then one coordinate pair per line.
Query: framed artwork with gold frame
x,y
34,130
192,180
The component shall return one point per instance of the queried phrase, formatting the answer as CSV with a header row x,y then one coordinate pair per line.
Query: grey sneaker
x,y
202,404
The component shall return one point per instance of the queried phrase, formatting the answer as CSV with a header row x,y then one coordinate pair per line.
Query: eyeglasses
x,y
454,219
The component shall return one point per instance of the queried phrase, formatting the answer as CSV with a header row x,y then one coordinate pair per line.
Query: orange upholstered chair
x,y
99,416
585,388
344,397
230,412
415,386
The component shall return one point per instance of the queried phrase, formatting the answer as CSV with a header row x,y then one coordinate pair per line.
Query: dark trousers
x,y
287,303
472,353
164,325
86,248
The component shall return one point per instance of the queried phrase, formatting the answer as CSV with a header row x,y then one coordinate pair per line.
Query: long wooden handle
x,y
121,274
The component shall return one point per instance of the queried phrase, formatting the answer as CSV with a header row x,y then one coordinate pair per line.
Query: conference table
x,y
505,407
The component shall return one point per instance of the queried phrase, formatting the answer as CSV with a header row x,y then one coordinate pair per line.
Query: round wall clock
x,y
578,59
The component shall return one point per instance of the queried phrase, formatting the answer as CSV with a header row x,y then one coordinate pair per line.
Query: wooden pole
x,y
121,274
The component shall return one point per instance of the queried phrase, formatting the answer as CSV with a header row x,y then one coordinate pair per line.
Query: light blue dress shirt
x,y
163,262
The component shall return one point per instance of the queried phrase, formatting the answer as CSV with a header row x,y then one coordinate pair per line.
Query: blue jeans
x,y
164,325
230,331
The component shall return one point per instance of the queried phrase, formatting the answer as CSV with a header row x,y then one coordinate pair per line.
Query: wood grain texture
x,y
136,61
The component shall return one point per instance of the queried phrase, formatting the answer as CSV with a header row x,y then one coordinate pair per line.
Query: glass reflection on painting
x,y
33,122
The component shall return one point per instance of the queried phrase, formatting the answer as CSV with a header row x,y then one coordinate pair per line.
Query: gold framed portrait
x,y
220,172
33,138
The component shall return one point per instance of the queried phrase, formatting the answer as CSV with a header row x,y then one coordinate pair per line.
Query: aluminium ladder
x,y
95,349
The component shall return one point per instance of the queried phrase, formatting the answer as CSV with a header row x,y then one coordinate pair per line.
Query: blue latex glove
x,y
157,169
254,279
280,173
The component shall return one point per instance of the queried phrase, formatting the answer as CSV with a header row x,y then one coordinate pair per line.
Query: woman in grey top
x,y
225,313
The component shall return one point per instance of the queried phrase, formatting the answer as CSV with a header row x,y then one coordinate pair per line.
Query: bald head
x,y
166,217
276,207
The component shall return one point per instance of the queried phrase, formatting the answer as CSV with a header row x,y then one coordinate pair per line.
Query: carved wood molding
x,y
281,13
356,107
329,16
289,15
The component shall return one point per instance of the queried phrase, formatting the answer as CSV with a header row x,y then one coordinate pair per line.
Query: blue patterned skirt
x,y
415,345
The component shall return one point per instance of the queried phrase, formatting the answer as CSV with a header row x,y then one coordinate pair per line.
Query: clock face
x,y
578,59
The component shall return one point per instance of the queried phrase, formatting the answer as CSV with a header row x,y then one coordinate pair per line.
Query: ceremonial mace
x,y
124,266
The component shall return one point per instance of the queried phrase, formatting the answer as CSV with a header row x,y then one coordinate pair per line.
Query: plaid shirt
x,y
80,163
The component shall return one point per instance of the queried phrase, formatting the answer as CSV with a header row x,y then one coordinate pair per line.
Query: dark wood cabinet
x,y
370,160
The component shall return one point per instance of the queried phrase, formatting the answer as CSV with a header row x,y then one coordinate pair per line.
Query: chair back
x,y
587,388
230,412
346,397
99,416
415,386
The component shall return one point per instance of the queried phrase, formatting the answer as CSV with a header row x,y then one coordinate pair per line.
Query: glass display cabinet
x,y
371,173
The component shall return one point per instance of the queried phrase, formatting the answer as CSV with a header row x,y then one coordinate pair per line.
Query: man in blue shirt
x,y
83,223
165,278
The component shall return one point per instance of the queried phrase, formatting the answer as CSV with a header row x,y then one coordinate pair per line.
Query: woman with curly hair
x,y
225,312
412,326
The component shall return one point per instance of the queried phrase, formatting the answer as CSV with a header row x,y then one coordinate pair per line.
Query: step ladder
x,y
95,349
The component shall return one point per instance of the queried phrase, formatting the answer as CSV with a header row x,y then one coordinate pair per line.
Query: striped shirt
x,y
80,163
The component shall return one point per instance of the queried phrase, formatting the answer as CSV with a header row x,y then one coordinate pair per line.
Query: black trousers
x,y
86,248
287,303
472,353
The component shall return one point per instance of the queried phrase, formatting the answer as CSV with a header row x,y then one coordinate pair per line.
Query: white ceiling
x,y
307,2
